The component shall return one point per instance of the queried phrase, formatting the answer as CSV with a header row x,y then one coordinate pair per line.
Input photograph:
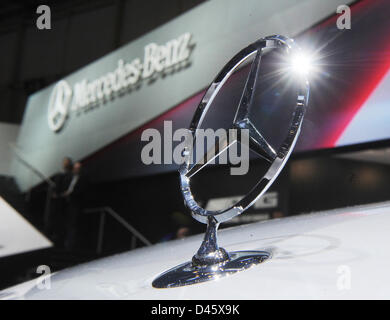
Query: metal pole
x,y
47,207
101,232
133,242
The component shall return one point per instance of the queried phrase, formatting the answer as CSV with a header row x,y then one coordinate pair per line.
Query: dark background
x,y
82,31
31,59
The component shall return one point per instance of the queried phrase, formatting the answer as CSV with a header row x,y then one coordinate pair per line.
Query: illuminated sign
x,y
87,94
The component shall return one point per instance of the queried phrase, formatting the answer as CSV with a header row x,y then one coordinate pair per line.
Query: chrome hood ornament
x,y
211,261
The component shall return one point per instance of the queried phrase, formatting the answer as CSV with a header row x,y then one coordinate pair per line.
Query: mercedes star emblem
x,y
211,261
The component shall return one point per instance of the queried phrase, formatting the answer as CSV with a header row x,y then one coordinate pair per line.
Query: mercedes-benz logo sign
x,y
210,261
59,105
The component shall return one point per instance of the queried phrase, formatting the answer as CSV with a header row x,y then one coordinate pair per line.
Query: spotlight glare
x,y
302,64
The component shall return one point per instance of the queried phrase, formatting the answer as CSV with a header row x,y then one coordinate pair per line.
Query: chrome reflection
x,y
188,273
210,261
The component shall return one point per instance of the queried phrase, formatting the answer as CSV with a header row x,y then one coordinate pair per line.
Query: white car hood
x,y
338,254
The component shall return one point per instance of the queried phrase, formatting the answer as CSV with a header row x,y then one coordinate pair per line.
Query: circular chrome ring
x,y
284,151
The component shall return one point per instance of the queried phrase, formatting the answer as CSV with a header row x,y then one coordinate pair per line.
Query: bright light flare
x,y
302,64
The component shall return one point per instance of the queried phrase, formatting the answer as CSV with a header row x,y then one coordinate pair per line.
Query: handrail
x,y
108,210
15,149
128,226
51,184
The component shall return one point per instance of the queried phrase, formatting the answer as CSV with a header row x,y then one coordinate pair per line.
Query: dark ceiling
x,y
82,31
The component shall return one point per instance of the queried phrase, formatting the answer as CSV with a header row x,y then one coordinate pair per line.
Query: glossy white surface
x,y
17,235
339,254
